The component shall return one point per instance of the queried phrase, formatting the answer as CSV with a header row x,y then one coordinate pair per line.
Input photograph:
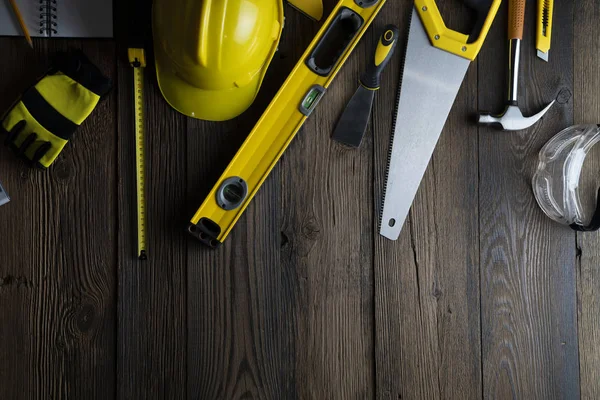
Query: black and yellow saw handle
x,y
444,38
386,45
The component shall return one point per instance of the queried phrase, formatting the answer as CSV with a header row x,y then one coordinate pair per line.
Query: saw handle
x,y
516,19
482,9
450,40
386,45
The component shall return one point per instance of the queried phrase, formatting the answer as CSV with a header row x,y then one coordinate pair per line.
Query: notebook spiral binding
x,y
48,16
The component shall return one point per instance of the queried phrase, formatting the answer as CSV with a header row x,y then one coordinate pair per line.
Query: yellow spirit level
x,y
290,108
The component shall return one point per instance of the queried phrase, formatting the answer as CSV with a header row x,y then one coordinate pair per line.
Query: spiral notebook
x,y
59,18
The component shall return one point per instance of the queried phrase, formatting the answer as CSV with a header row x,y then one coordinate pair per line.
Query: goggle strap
x,y
594,224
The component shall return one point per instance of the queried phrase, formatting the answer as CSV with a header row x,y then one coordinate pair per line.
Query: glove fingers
x,y
41,152
40,124
12,135
29,140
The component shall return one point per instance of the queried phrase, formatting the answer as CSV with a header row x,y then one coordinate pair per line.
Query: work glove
x,y
45,117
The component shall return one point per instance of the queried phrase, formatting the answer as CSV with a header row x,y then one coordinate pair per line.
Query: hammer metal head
x,y
512,119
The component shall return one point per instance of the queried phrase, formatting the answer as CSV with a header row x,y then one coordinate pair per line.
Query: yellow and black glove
x,y
43,120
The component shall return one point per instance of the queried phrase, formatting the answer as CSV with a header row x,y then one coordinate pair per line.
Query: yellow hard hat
x,y
212,55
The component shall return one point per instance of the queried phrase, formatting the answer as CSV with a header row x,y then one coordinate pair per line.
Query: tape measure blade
x,y
140,163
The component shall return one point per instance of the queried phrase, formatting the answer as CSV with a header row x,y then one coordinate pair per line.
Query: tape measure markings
x,y
137,60
140,159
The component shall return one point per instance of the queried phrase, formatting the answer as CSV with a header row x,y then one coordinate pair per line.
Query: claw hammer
x,y
512,118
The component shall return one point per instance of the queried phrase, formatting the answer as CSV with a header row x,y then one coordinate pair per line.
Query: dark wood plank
x,y
283,308
238,307
528,303
326,203
241,302
152,327
57,274
587,111
426,283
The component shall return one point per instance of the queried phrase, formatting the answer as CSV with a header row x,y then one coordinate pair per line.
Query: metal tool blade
x,y
353,123
430,83
542,55
3,196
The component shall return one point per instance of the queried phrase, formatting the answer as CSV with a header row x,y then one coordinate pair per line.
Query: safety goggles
x,y
3,196
556,184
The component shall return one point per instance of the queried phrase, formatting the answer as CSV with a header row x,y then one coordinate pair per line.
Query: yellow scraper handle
x,y
452,41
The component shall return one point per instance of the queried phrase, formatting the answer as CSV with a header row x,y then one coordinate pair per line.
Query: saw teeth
x,y
391,142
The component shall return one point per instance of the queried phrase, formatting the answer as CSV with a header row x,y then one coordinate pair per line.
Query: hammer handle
x,y
516,19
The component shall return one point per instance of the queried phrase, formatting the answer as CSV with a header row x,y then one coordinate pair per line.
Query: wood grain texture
x,y
240,300
304,300
326,221
426,283
152,357
57,269
275,321
587,111
528,303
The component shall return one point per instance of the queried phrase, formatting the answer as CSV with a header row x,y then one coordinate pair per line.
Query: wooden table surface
x,y
482,295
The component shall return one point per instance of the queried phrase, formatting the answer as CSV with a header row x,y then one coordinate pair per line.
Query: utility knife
x,y
544,28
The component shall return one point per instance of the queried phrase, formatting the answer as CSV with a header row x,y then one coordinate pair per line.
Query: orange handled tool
x,y
516,19
512,119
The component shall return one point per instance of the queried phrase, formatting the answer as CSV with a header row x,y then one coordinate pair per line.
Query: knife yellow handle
x,y
544,25
311,8
452,41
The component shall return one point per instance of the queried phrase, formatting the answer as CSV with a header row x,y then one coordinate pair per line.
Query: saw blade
x,y
429,85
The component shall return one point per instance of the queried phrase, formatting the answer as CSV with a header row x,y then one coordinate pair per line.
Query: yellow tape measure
x,y
137,60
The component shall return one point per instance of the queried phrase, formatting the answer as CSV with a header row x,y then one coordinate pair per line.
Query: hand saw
x,y
289,109
436,62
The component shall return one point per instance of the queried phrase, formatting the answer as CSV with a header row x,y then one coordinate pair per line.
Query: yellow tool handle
x,y
386,45
544,25
516,19
452,41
